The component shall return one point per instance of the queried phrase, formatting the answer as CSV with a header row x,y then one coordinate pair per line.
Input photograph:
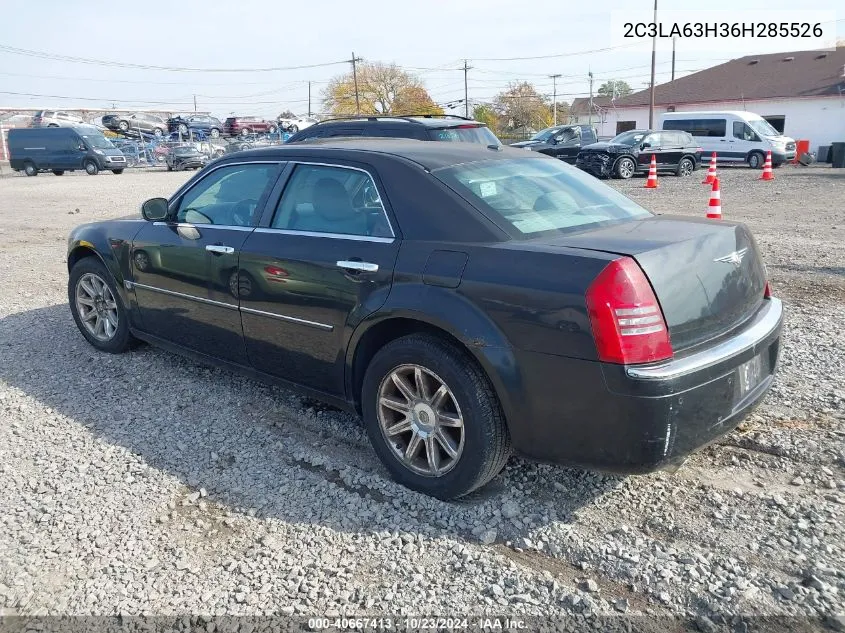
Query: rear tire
x,y
29,168
215,133
117,171
294,129
685,167
91,168
246,132
158,132
123,126
59,172
82,274
480,446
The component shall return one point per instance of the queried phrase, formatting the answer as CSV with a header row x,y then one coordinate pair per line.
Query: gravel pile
x,y
149,484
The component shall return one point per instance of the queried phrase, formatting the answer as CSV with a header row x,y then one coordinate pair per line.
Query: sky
x,y
94,54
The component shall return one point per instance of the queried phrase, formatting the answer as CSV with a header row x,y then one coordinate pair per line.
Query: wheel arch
x,y
619,158
82,248
487,347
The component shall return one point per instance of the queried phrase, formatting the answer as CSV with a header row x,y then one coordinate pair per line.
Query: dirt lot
x,y
147,483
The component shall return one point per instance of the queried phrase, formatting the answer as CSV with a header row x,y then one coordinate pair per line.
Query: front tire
x,y
246,132
215,133
433,418
97,308
756,160
59,172
91,168
625,168
117,171
158,132
29,168
123,126
294,129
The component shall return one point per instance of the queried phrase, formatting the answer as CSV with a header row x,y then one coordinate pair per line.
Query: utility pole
x,y
591,98
195,103
653,57
309,99
466,90
355,79
554,95
673,58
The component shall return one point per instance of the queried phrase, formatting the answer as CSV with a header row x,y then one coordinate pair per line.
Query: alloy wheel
x,y
626,168
96,306
420,420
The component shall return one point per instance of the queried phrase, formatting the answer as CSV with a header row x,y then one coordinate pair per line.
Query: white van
x,y
735,136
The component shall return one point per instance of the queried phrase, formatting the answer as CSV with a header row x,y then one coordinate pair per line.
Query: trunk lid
x,y
708,275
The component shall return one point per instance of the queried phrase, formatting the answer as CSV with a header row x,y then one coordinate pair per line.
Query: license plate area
x,y
750,374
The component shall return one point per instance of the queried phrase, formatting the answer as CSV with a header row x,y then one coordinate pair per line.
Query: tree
x,y
521,106
287,114
621,88
487,115
415,100
382,89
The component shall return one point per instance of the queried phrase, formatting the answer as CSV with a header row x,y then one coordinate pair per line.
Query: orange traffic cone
x,y
767,168
651,183
714,211
711,171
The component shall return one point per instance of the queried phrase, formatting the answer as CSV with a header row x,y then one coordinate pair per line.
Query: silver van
x,y
735,136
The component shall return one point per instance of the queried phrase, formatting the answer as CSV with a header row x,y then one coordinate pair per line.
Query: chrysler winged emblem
x,y
734,258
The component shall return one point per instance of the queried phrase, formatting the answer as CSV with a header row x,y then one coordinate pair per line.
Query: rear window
x,y
532,196
465,134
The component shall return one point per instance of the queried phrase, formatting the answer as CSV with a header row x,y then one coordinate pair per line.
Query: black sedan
x,y
630,153
185,157
466,301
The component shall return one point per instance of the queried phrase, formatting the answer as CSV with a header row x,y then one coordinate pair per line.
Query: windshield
x,y
628,138
531,196
545,135
98,141
466,134
763,128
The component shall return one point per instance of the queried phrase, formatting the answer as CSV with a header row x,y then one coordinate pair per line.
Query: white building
x,y
802,94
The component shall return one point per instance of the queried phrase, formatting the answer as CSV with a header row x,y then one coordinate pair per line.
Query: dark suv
x,y
422,127
561,141
630,152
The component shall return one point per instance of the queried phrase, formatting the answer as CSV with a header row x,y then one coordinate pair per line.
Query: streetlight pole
x,y
591,98
653,58
355,79
554,95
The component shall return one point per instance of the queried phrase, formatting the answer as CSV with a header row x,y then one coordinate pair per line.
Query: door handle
x,y
363,267
220,249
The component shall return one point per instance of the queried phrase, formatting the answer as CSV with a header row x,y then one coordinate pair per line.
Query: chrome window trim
x,y
283,317
764,325
296,162
132,284
337,236
188,225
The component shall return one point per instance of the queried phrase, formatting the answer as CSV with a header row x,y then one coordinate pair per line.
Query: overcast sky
x,y
430,39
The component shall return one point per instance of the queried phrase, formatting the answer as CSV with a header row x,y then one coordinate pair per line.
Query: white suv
x,y
294,125
55,118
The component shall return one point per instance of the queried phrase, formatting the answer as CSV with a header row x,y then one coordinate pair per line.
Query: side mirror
x,y
155,209
644,145
558,138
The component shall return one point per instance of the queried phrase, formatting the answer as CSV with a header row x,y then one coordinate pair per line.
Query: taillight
x,y
767,291
627,323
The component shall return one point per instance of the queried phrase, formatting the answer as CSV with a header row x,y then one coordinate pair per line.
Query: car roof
x,y
425,153
424,120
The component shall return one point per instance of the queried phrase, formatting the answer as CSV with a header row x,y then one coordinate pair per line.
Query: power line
x,y
102,62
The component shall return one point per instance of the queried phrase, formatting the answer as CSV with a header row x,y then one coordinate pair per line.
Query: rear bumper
x,y
642,418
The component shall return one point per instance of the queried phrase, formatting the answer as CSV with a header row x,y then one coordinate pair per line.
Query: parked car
x,y
562,141
185,157
61,149
423,128
137,122
630,153
466,299
55,118
234,126
296,124
735,136
197,123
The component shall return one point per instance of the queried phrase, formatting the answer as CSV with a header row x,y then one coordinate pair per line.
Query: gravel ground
x,y
148,484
